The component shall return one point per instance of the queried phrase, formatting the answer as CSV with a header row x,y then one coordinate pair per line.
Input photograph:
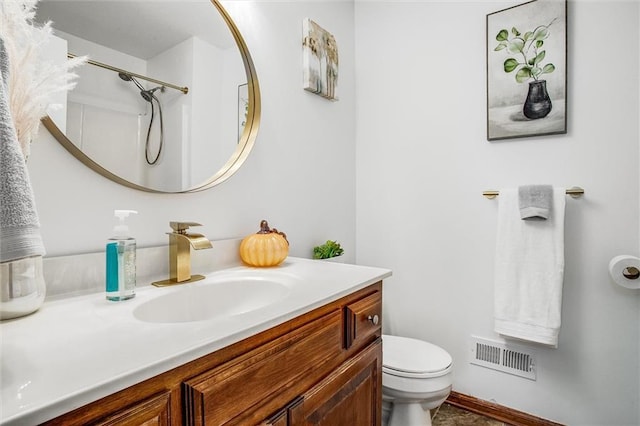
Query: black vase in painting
x,y
538,103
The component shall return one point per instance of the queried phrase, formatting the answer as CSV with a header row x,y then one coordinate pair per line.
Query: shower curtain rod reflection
x,y
184,90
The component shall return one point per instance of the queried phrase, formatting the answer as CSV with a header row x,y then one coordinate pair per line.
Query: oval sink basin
x,y
212,299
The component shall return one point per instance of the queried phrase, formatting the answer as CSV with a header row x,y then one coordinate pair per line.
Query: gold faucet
x,y
180,243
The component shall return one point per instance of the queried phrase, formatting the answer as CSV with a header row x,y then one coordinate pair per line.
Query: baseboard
x,y
497,412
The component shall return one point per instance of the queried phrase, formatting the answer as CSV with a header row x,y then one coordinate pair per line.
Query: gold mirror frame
x,y
245,144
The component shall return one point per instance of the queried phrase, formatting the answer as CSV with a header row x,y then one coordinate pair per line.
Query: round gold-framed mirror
x,y
169,100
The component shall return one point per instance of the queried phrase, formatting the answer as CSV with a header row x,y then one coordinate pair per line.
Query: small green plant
x,y
529,47
327,250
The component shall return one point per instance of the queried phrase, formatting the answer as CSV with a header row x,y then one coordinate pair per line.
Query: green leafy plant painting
x,y
526,70
527,50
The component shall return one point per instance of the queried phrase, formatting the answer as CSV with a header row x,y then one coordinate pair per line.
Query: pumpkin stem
x,y
264,228
281,234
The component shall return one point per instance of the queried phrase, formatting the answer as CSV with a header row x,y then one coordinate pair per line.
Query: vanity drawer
x,y
362,320
267,378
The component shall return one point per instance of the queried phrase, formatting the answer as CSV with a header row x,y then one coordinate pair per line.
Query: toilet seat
x,y
412,358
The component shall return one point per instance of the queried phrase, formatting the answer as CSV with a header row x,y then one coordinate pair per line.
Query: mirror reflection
x,y
164,104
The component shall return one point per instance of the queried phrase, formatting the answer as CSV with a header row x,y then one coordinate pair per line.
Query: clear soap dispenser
x,y
121,260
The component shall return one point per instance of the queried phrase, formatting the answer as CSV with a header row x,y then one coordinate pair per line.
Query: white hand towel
x,y
19,224
529,271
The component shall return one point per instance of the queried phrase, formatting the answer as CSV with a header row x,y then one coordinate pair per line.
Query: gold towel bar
x,y
574,192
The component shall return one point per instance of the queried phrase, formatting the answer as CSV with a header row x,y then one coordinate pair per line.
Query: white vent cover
x,y
499,356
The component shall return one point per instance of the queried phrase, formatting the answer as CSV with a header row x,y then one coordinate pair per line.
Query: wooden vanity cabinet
x,y
321,368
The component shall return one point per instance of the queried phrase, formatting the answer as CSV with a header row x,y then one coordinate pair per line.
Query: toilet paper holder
x,y
625,271
631,273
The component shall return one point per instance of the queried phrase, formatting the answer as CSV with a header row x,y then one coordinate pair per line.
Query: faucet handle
x,y
181,227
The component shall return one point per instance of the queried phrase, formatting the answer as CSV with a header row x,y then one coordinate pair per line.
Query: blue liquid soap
x,y
121,262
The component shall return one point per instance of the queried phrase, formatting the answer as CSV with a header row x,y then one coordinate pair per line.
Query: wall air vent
x,y
502,357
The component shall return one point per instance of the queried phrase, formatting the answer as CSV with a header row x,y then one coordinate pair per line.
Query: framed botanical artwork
x,y
320,60
527,70
243,107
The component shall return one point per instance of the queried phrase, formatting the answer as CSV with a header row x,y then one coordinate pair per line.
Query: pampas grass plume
x,y
32,80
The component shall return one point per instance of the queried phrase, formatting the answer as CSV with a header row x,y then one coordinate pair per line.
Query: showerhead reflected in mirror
x,y
148,95
157,106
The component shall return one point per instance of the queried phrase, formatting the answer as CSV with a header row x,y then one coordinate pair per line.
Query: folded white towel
x,y
529,271
19,224
535,201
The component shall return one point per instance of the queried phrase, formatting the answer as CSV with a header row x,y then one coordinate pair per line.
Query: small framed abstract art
x,y
527,70
320,60
243,107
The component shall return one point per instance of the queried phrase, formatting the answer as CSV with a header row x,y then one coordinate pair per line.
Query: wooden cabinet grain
x,y
251,387
349,396
320,368
153,412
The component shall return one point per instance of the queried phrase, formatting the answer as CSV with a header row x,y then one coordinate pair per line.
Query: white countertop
x,y
76,350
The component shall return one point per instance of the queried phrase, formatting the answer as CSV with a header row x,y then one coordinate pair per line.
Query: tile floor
x,y
448,415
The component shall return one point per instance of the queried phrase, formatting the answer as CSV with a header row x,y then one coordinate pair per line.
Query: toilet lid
x,y
406,356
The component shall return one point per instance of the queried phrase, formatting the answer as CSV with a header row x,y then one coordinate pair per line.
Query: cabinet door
x,y
351,395
279,419
152,412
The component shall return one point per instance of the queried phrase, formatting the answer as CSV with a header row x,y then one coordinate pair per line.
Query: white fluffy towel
x,y
529,271
19,224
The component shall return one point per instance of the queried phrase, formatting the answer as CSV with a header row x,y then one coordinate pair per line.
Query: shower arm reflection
x,y
149,96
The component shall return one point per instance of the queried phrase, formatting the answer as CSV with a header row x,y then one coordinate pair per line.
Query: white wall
x,y
423,162
175,65
215,103
300,175
55,51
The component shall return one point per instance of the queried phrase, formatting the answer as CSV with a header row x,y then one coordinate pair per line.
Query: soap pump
x,y
121,260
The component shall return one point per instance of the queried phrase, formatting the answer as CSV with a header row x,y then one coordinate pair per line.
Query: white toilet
x,y
416,377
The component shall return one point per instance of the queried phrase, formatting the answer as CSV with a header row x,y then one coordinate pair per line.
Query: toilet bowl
x,y
416,377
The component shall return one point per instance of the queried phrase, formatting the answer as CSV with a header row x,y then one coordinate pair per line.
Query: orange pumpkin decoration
x,y
267,247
